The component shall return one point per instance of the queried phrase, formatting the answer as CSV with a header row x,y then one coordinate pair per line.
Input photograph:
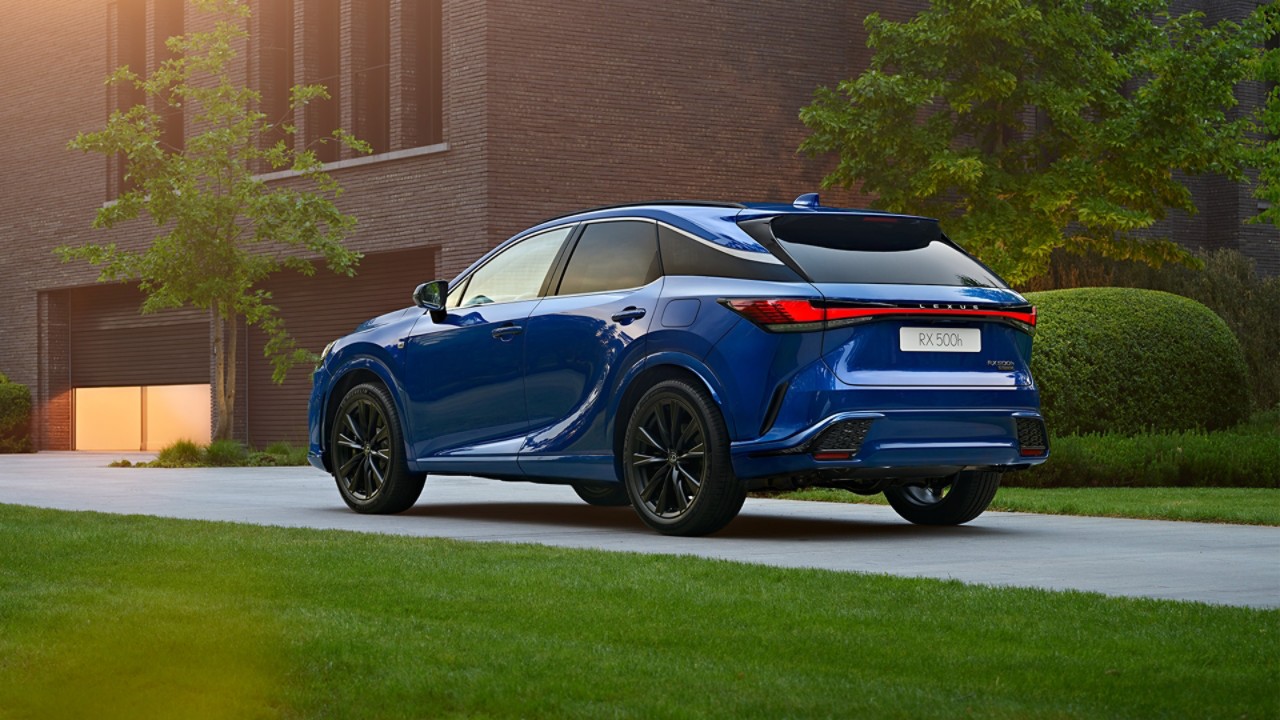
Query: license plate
x,y
920,339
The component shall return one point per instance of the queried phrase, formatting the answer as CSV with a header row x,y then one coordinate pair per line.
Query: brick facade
x,y
526,110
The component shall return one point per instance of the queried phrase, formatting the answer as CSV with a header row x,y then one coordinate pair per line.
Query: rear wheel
x,y
676,467
367,454
952,500
602,494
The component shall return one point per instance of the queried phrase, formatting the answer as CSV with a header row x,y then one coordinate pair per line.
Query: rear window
x,y
876,249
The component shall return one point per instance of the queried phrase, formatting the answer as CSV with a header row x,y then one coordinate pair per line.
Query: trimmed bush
x,y
1128,361
15,417
1228,284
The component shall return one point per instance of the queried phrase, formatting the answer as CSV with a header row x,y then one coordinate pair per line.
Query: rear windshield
x,y
877,249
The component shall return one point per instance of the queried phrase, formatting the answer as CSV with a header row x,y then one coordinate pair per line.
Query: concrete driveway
x,y
1221,564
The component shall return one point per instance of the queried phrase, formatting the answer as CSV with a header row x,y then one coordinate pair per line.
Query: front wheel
x,y
676,466
952,500
367,454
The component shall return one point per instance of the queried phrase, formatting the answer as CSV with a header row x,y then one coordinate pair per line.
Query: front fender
x,y
356,361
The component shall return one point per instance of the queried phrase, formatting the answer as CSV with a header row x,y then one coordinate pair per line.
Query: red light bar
x,y
839,313
795,315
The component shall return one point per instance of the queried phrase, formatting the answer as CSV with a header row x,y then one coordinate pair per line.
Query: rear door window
x,y
877,249
612,256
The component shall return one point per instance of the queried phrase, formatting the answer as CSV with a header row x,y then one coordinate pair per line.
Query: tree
x,y
222,229
1031,125
1266,156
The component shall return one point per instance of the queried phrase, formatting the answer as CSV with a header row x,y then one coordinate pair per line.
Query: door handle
x,y
629,314
506,332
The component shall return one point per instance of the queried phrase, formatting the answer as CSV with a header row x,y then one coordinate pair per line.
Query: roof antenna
x,y
807,200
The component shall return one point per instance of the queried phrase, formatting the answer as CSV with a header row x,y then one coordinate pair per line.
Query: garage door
x,y
139,381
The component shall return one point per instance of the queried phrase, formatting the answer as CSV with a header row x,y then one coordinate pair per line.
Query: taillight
x,y
797,315
781,315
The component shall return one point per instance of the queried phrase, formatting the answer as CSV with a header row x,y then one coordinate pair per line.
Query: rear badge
x,y
1001,365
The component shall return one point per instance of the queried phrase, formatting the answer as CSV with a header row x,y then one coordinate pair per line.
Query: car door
x,y
581,339
464,372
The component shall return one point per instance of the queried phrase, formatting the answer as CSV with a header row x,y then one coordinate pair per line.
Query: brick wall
x,y
594,103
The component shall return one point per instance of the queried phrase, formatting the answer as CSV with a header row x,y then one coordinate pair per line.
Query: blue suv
x,y
675,356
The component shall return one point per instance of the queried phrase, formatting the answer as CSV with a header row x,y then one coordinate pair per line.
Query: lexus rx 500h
x,y
675,356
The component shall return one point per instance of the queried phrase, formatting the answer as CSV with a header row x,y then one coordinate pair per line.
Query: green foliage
x,y
226,453
222,230
1126,360
15,417
1030,125
1266,157
286,453
1228,284
183,453
222,453
1247,457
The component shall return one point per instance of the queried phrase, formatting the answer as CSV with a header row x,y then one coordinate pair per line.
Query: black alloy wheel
x,y
676,464
951,500
367,454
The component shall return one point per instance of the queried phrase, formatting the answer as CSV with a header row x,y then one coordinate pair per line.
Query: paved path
x,y
1223,564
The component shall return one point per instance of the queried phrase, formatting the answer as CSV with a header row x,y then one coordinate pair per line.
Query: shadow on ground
x,y
745,527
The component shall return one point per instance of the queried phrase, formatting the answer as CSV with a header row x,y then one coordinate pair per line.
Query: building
x,y
485,116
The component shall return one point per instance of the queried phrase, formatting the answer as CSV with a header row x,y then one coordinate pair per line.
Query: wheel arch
x,y
357,371
652,371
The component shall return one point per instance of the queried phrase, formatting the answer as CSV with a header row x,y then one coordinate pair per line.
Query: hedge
x,y
15,418
1187,459
1128,361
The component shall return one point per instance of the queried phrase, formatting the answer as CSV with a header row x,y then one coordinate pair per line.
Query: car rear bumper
x,y
900,443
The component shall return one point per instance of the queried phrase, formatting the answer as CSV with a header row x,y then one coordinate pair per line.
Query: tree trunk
x,y
223,373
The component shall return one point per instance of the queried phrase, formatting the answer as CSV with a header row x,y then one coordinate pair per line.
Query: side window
x,y
612,256
516,273
682,255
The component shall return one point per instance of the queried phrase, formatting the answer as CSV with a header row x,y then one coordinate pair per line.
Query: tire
x,y
602,494
953,500
366,452
675,462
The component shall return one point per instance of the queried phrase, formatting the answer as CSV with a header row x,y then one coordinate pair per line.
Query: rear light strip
x,y
799,315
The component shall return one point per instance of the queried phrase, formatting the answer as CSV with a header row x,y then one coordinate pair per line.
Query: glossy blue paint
x,y
534,389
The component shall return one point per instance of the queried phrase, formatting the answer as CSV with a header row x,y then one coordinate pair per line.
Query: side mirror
x,y
432,296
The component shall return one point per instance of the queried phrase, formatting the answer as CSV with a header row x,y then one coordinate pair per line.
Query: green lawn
x,y
108,616
1244,506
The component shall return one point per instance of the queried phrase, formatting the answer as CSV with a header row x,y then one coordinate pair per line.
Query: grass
x,y
221,453
111,616
1242,506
